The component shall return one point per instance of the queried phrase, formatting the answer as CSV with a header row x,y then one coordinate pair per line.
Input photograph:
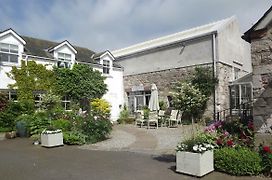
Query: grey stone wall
x,y
224,75
261,50
167,78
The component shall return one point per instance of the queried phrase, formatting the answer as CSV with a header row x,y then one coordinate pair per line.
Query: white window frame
x,y
65,60
106,66
10,52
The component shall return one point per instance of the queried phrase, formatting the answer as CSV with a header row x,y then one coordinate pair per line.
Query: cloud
x,y
108,24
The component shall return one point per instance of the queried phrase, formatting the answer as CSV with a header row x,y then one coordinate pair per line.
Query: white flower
x,y
195,148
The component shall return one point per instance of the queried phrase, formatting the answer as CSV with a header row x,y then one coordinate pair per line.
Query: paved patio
x,y
22,160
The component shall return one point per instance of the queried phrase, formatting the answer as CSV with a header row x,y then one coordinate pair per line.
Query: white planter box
x,y
196,164
51,140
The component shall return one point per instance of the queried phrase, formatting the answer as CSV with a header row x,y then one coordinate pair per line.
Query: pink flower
x,y
226,133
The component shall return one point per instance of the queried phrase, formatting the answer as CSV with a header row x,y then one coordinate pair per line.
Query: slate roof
x,y
260,24
40,47
173,38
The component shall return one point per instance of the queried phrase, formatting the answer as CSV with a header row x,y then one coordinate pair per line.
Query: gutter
x,y
214,73
170,44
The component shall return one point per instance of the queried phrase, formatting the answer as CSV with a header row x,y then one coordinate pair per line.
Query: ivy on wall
x,y
80,82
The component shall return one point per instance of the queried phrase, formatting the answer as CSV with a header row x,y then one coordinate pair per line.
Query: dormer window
x,y
106,66
9,53
64,60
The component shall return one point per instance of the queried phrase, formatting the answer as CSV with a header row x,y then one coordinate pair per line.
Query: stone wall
x,y
261,50
224,75
167,78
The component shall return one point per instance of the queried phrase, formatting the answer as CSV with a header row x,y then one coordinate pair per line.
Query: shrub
x,y
124,117
74,138
237,161
266,154
39,123
3,101
100,108
96,130
162,105
62,124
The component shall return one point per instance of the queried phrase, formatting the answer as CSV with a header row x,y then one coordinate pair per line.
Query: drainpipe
x,y
214,73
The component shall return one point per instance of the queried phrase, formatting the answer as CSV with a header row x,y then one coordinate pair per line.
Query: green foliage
x,y
237,161
12,111
96,130
188,98
30,77
3,101
202,142
80,82
49,101
266,154
63,124
100,108
146,112
124,117
39,122
204,80
74,138
162,105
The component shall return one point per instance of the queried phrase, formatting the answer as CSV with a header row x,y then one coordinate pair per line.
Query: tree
x,y
204,80
189,99
79,83
31,77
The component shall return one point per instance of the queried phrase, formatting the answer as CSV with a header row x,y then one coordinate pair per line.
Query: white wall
x,y
231,47
5,67
198,51
115,93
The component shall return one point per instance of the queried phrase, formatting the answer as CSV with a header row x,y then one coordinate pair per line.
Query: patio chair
x,y
140,118
153,119
161,117
175,117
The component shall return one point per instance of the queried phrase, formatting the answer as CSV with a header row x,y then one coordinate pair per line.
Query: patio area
x,y
151,141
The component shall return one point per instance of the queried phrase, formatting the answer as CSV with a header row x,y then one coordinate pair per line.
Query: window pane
x,y
3,57
13,47
13,58
68,56
4,47
14,51
60,55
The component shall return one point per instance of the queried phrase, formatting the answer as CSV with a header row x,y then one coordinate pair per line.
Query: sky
x,y
113,24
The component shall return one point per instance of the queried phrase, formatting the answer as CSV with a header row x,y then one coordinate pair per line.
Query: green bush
x,y
63,124
237,161
96,130
39,123
3,101
74,138
124,117
12,111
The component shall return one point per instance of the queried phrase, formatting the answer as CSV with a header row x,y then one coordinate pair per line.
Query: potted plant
x,y
51,138
195,156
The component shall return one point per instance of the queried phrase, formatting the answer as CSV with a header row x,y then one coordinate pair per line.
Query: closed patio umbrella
x,y
154,99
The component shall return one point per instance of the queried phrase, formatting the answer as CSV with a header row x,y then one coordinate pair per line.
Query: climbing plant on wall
x,y
30,77
80,82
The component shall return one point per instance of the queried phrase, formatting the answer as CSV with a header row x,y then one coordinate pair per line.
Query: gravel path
x,y
134,139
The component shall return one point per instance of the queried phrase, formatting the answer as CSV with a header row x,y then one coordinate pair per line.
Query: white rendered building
x,y
14,48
